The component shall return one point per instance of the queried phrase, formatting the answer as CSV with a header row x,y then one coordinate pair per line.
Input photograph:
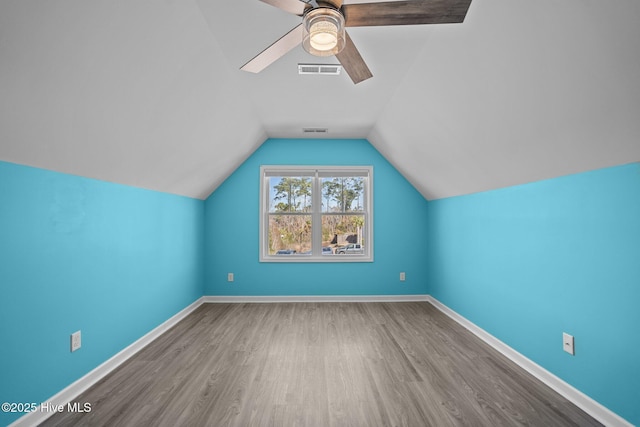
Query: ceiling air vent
x,y
314,130
325,69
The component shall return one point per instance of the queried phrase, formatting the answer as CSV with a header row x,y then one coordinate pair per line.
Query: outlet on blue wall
x,y
232,222
79,254
530,262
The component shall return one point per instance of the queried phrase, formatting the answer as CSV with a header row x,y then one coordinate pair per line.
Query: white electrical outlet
x,y
402,276
229,277
76,341
567,343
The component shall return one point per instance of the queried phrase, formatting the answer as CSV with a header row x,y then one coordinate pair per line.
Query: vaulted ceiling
x,y
149,93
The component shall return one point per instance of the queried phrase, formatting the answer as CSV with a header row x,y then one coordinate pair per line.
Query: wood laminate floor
x,y
321,364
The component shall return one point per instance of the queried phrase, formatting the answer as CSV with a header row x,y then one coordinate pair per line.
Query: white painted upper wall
x,y
150,93
524,91
130,92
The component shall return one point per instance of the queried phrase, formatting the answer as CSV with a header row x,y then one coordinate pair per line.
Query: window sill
x,y
314,259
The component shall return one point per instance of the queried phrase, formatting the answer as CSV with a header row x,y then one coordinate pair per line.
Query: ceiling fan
x,y
322,31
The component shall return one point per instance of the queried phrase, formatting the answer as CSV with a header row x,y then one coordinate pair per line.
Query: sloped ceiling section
x,y
523,91
149,93
129,92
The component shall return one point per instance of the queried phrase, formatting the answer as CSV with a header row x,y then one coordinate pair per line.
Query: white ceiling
x,y
149,93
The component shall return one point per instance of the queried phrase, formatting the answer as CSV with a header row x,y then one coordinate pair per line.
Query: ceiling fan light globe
x,y
323,36
323,32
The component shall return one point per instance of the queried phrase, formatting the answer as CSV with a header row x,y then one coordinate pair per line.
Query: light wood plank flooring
x,y
321,364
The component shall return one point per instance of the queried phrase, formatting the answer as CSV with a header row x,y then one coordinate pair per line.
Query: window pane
x,y
289,234
343,194
316,214
290,194
344,234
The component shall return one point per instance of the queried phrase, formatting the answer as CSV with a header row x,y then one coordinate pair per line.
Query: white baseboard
x,y
75,389
584,402
314,298
575,396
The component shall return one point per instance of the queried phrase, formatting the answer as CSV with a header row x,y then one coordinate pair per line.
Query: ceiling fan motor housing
x,y
324,33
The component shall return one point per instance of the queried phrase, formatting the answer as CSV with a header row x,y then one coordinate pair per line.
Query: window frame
x,y
316,173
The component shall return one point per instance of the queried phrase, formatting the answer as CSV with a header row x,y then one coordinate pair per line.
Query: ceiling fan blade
x,y
352,62
335,3
292,6
405,12
274,52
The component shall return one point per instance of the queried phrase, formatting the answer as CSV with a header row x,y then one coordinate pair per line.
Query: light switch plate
x,y
567,343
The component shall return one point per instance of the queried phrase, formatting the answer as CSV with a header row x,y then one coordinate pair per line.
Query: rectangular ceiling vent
x,y
324,69
315,130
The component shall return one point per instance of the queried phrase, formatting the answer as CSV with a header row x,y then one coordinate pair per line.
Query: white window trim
x,y
316,215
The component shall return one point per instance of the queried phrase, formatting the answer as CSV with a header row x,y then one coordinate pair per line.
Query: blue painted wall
x,y
75,253
232,222
527,263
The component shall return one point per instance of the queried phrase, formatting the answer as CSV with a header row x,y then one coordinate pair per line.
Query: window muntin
x,y
316,214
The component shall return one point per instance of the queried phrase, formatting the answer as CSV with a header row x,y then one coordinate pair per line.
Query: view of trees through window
x,y
342,214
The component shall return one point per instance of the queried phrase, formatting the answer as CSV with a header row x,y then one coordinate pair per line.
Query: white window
x,y
316,214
